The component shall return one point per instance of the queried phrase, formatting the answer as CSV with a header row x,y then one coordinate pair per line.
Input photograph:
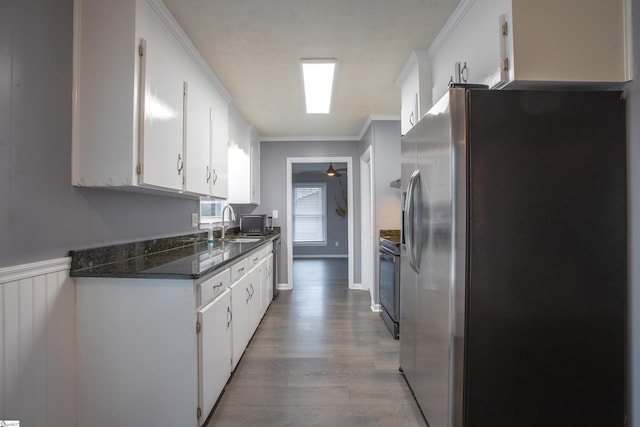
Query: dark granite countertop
x,y
181,257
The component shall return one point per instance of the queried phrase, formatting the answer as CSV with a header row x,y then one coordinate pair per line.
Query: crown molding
x,y
184,40
449,27
365,126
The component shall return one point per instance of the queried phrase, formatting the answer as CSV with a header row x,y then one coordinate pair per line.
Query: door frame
x,y
290,162
368,255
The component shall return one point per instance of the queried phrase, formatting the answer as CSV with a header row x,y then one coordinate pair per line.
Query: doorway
x,y
344,207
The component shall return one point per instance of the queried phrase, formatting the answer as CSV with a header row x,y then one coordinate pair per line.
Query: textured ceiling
x,y
254,47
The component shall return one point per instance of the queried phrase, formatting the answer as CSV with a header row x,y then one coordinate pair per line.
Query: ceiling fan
x,y
330,171
334,172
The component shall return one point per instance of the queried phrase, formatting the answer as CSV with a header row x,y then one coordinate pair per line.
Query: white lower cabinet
x,y
244,300
136,352
156,352
214,352
266,282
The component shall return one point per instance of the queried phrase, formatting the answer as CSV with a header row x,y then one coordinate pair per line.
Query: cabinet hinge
x,y
138,169
505,64
505,29
198,327
141,49
199,412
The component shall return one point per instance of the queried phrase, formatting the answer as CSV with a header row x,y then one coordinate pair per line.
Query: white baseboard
x,y
283,287
376,308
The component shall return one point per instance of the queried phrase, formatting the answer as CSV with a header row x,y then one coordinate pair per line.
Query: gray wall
x,y
384,136
337,226
384,139
41,215
273,187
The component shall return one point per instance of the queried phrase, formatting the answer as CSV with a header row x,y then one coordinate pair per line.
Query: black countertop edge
x,y
181,257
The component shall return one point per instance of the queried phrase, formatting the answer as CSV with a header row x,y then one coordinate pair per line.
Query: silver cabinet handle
x,y
252,290
464,73
248,295
208,174
229,316
217,285
215,177
180,164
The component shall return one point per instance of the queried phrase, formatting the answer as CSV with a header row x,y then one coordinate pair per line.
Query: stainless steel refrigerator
x,y
514,259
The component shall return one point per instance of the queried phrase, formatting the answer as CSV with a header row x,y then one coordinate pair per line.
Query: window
x,y
310,214
210,212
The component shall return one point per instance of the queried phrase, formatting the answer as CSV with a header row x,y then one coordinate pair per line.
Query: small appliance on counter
x,y
253,225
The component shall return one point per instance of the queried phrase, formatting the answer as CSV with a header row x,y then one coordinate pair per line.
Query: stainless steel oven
x,y
389,284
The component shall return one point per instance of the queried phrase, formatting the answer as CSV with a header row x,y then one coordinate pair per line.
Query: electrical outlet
x,y
274,214
337,243
194,219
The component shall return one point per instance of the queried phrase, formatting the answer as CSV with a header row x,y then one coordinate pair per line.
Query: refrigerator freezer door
x,y
433,320
408,278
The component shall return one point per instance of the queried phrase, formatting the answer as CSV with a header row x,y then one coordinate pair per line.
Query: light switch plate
x,y
274,215
194,219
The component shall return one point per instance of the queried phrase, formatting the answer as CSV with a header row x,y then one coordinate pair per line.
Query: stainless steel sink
x,y
242,239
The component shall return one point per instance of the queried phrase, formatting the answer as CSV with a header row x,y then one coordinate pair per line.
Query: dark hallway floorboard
x,y
320,357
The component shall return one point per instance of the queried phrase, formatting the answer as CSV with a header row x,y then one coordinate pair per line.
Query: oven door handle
x,y
387,256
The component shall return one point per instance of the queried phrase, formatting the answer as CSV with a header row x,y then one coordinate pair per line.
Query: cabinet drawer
x,y
254,258
214,286
239,269
266,250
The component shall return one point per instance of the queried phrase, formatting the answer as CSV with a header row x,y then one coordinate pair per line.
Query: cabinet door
x,y
255,170
219,147
266,284
162,79
240,297
253,285
198,138
214,352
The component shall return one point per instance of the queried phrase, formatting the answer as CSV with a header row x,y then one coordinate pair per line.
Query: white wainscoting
x,y
37,344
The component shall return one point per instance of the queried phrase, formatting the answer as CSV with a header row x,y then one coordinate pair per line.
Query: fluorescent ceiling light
x,y
318,84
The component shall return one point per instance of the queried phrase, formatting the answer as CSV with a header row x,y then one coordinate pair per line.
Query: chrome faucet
x,y
232,217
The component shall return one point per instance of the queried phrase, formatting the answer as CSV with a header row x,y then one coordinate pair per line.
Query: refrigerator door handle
x,y
409,220
414,221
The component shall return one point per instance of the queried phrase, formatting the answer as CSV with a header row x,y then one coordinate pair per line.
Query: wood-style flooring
x,y
320,357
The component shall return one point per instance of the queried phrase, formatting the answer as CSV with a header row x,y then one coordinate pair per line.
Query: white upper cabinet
x,y
521,43
244,161
145,103
206,139
219,151
569,40
415,89
163,73
255,167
